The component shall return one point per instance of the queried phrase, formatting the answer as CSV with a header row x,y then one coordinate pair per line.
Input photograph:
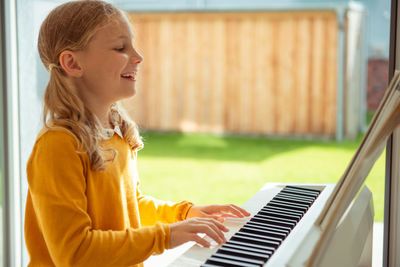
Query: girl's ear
x,y
70,64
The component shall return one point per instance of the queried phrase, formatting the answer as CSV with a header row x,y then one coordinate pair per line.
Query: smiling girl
x,y
84,206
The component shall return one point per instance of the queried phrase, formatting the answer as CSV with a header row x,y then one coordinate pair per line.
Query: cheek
x,y
106,70
117,64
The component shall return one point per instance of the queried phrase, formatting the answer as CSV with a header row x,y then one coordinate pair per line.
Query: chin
x,y
126,92
131,93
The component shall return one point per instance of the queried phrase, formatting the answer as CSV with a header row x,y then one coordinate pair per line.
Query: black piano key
x,y
293,210
244,247
294,199
300,195
303,189
238,259
271,221
280,215
229,263
288,205
275,217
254,230
294,205
253,240
293,196
264,237
303,194
244,254
307,198
250,245
268,225
284,214
300,191
266,228
289,211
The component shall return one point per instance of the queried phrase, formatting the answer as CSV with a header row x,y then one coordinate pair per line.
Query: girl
x,y
84,206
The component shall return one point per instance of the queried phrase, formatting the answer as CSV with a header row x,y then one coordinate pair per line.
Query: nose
x,y
136,57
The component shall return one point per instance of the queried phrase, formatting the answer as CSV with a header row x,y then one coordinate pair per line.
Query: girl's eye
x,y
120,49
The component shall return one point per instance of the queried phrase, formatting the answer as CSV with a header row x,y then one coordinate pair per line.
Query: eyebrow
x,y
122,37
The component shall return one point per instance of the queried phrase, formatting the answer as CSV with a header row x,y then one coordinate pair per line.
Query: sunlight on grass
x,y
208,169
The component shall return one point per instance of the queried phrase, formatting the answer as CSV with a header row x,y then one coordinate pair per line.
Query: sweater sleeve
x,y
154,210
57,184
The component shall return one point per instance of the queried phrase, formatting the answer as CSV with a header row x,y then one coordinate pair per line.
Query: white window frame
x,y
12,219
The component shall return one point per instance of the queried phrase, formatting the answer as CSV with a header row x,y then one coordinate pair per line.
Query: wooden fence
x,y
237,72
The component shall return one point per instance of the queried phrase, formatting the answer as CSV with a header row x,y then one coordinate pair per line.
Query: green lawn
x,y
209,169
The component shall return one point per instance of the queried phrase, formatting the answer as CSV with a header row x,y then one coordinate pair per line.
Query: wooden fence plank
x,y
217,76
285,93
331,78
263,75
190,90
317,75
233,71
303,57
244,79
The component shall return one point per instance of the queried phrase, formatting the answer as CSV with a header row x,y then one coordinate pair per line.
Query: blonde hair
x,y
70,26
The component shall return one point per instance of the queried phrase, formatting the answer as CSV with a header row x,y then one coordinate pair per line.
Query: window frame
x,y
9,138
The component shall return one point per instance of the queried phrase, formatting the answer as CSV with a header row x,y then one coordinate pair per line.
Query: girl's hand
x,y
218,212
188,230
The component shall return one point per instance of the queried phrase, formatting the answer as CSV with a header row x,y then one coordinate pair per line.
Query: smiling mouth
x,y
129,76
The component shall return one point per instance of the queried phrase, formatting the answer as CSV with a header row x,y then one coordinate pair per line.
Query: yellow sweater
x,y
79,217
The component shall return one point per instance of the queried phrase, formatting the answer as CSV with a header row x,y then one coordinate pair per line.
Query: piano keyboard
x,y
299,241
257,240
352,239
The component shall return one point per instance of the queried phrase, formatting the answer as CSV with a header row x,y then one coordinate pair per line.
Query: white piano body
x,y
350,246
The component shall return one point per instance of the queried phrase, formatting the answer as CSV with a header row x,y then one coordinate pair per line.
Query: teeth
x,y
128,75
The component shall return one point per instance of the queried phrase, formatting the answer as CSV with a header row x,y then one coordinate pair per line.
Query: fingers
x,y
235,211
243,211
200,241
188,230
220,227
212,228
217,212
215,217
212,232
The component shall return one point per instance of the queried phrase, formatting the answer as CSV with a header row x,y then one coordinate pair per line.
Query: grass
x,y
209,169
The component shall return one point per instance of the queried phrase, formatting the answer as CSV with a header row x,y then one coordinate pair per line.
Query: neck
x,y
98,106
101,112
102,115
